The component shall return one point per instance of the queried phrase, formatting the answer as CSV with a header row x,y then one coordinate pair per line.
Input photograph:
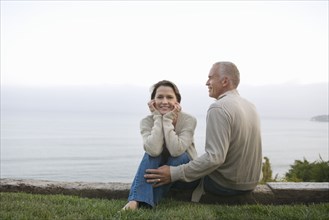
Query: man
x,y
232,161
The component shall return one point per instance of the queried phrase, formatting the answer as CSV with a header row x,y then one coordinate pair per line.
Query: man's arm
x,y
217,143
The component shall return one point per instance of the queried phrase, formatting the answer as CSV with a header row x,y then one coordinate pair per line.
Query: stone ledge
x,y
111,190
301,192
271,193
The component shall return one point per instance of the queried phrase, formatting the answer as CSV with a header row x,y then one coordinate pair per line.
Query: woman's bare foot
x,y
131,205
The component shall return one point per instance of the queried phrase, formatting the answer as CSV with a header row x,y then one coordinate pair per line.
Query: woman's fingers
x,y
178,108
151,105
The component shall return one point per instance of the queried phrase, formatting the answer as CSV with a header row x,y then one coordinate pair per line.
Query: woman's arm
x,y
180,139
151,131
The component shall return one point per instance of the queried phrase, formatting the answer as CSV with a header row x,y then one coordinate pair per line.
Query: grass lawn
x,y
30,206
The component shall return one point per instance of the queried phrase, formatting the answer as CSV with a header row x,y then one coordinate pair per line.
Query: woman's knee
x,y
151,161
181,159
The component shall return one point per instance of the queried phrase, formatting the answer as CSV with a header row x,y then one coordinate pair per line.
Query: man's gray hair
x,y
230,70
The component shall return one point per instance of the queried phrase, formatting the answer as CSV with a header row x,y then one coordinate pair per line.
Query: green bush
x,y
267,172
304,171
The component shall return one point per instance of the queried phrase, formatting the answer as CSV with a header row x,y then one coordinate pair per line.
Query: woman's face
x,y
165,99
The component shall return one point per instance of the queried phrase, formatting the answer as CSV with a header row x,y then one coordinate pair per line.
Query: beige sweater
x,y
157,129
233,151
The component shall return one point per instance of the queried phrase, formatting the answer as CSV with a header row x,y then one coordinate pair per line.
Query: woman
x,y
168,139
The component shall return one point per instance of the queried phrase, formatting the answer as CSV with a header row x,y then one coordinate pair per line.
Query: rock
x,y
270,193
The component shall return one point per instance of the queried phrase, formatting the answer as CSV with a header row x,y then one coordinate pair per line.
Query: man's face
x,y
215,87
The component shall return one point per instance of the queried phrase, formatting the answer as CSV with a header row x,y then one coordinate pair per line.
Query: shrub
x,y
267,172
304,171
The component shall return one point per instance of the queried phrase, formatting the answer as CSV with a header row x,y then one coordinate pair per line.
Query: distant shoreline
x,y
320,118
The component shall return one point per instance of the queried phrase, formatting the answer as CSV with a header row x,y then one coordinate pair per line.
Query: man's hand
x,y
158,177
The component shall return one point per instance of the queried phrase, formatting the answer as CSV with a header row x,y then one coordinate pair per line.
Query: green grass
x,y
31,206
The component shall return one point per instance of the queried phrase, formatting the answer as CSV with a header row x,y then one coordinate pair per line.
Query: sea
x,y
107,146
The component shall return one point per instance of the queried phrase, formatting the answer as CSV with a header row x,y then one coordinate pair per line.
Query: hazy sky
x,y
136,42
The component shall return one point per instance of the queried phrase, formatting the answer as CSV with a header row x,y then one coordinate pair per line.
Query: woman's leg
x,y
162,191
140,190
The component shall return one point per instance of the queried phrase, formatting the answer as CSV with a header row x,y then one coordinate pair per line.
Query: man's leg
x,y
212,187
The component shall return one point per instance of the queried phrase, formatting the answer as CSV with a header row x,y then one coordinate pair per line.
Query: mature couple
x,y
231,164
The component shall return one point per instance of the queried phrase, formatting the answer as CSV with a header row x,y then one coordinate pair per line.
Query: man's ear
x,y
225,81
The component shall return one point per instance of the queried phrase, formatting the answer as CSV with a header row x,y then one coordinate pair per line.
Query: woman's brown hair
x,y
166,83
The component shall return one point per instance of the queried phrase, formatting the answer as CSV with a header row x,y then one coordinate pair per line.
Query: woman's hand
x,y
177,108
151,105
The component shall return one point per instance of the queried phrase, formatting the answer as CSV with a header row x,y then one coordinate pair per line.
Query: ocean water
x,y
107,147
